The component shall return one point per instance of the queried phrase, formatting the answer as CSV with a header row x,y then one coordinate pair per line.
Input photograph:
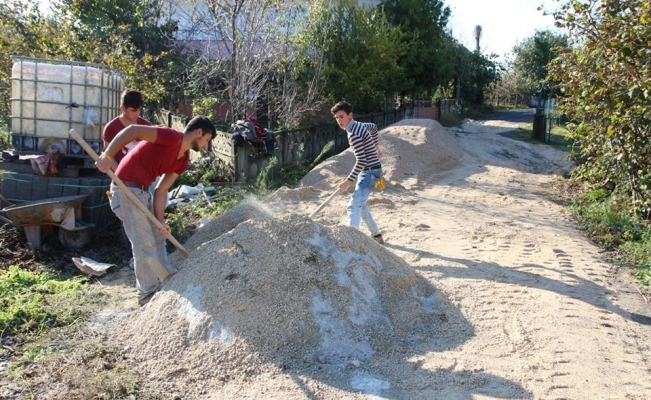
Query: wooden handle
x,y
5,200
130,195
332,196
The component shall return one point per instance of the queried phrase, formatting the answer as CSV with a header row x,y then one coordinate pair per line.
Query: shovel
x,y
325,202
126,191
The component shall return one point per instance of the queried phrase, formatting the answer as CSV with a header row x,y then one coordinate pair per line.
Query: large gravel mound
x,y
278,293
413,150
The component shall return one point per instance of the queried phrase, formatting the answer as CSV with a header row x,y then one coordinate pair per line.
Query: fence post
x,y
539,128
314,151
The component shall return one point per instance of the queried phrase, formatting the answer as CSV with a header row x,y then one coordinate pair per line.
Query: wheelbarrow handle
x,y
7,220
130,195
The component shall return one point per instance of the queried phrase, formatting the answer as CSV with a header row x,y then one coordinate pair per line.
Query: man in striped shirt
x,y
363,139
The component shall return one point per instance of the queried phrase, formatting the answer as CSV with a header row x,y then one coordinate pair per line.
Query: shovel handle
x,y
325,202
5,200
126,191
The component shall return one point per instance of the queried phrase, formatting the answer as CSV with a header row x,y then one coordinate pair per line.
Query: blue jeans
x,y
357,208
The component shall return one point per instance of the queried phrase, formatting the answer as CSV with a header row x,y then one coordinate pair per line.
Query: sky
x,y
505,23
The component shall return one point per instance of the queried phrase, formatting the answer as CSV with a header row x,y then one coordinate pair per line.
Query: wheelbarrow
x,y
62,212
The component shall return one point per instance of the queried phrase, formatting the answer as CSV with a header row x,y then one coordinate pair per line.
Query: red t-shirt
x,y
147,160
113,128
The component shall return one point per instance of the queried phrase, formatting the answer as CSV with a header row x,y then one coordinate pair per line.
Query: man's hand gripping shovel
x,y
130,195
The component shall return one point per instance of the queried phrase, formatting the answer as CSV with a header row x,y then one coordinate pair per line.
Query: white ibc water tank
x,y
50,97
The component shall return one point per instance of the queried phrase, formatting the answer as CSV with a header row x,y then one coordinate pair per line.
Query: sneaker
x,y
144,299
378,238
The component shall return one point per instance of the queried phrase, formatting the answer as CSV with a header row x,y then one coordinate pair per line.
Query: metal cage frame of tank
x,y
110,87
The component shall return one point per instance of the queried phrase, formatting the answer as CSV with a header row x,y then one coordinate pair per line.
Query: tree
x,y
478,33
507,89
474,74
428,61
295,93
605,82
238,45
532,57
361,53
136,38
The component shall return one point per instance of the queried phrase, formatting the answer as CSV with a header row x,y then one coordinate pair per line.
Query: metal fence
x,y
302,144
545,119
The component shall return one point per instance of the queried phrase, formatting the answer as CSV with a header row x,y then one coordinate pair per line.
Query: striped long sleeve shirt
x,y
362,137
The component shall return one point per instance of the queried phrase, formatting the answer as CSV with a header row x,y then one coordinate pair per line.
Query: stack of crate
x,y
20,187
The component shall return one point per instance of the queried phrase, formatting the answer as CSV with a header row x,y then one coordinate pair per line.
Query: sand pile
x,y
226,222
416,149
413,150
274,294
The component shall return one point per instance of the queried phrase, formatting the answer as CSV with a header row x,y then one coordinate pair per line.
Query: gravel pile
x,y
273,294
413,150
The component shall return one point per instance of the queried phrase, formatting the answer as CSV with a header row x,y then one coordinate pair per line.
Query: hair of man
x,y
132,98
203,123
341,106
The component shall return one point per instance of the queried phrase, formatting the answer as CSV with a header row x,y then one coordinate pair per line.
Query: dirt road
x,y
485,288
548,315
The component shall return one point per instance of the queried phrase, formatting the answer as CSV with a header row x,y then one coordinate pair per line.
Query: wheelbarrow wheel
x,y
74,239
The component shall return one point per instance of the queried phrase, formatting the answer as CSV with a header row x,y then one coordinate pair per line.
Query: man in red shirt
x,y
160,152
132,101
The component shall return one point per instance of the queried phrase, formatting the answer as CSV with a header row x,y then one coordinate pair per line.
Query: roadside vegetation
x,y
603,83
609,223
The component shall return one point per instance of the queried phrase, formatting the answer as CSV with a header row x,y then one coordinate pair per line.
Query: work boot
x,y
378,238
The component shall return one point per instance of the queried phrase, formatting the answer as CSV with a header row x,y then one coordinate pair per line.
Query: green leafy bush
x,y
272,177
5,139
607,219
